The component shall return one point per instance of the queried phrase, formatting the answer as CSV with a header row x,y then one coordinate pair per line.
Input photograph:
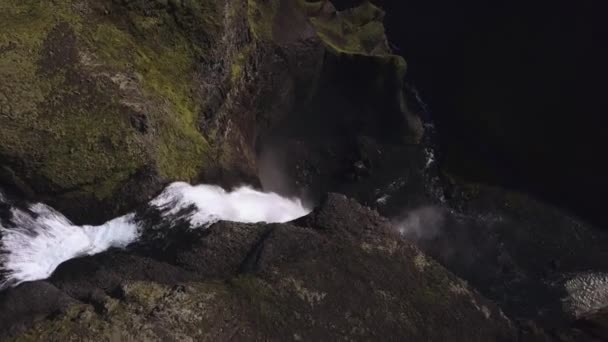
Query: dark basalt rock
x,y
79,278
339,272
596,324
21,306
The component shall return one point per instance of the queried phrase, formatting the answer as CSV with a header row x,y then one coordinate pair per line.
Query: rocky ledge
x,y
341,272
104,102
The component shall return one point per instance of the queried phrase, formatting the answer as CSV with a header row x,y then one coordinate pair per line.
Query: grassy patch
x,y
357,30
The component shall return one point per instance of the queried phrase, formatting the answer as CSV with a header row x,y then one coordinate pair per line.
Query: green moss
x,y
364,13
260,299
310,8
23,28
251,288
65,109
261,14
146,312
357,36
60,126
358,30
238,65
57,330
436,291
165,62
167,72
144,294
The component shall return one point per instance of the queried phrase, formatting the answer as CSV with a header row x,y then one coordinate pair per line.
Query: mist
x,y
423,223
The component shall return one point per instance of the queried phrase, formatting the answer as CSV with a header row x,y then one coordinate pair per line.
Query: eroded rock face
x,y
340,272
92,112
103,102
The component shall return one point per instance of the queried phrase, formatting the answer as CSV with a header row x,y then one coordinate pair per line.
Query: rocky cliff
x,y
104,102
340,273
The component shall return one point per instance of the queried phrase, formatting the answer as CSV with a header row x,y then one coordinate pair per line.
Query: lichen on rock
x,y
94,94
102,102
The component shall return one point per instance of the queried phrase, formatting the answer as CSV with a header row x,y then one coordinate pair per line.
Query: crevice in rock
x,y
251,262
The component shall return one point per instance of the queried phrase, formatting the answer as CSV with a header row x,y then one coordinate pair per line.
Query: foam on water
x,y
213,204
36,240
43,238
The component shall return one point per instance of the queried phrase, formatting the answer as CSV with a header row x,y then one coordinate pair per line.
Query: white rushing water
x,y
39,239
241,205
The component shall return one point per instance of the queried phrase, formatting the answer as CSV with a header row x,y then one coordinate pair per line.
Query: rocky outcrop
x,y
104,102
536,262
340,272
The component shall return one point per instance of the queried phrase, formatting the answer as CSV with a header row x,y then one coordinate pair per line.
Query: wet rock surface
x,y
342,271
596,324
520,252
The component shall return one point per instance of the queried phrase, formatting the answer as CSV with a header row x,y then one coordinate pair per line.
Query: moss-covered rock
x,y
148,312
102,102
95,94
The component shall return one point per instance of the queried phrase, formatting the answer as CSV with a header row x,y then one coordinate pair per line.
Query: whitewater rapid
x,y
35,240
